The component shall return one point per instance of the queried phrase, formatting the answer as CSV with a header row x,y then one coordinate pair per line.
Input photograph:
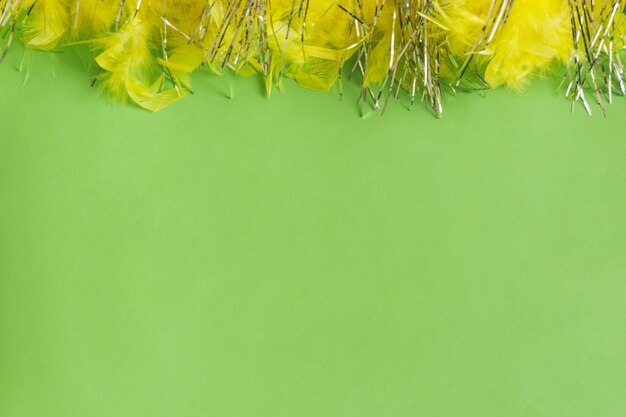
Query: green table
x,y
296,256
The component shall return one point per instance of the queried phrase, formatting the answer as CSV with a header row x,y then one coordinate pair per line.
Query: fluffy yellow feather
x,y
46,23
537,34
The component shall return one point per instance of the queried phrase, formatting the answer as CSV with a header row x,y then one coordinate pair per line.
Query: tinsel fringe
x,y
147,49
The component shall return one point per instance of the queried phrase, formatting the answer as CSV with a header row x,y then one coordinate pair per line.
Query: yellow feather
x,y
90,18
46,23
537,34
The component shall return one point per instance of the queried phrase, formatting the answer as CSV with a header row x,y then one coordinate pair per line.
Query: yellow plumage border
x,y
147,49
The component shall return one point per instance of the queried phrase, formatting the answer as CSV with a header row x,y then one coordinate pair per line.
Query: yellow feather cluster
x,y
147,49
537,33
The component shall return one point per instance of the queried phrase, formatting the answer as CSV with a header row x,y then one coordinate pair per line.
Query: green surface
x,y
287,257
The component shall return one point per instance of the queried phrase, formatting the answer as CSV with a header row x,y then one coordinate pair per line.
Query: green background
x,y
298,256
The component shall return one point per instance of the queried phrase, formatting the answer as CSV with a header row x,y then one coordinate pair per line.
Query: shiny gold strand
x,y
596,64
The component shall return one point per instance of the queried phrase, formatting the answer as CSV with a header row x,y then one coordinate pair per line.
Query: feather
x,y
129,63
46,23
536,35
